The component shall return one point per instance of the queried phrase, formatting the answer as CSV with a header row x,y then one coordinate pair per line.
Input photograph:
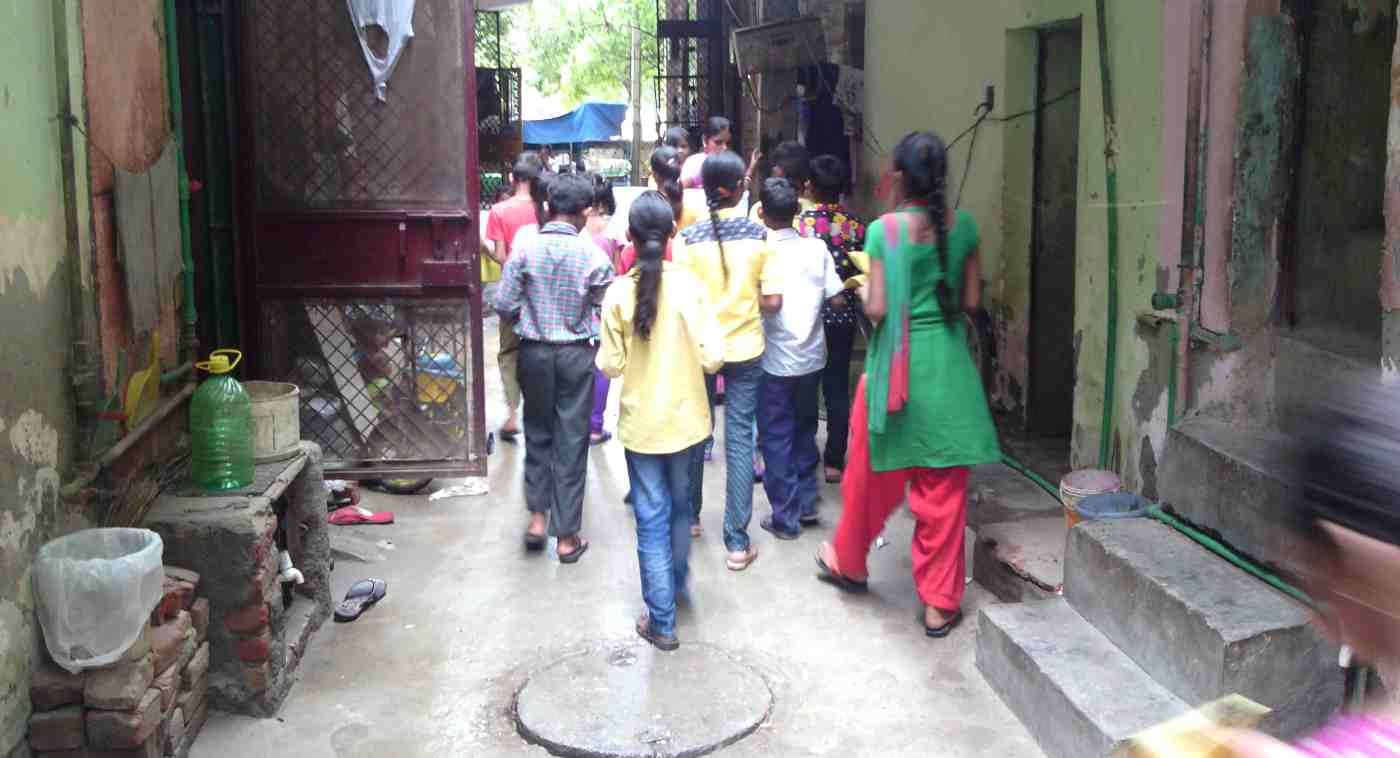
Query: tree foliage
x,y
581,49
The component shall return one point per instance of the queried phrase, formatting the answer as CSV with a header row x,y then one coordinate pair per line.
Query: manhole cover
x,y
633,701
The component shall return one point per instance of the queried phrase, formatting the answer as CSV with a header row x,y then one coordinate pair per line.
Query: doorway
x,y
1336,219
1054,199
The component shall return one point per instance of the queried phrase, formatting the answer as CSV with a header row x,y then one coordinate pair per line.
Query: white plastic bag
x,y
395,17
94,590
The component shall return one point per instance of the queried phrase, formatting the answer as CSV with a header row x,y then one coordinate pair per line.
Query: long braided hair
x,y
666,170
722,174
923,160
650,223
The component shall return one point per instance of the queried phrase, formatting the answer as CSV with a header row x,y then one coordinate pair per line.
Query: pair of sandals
x,y
536,542
834,577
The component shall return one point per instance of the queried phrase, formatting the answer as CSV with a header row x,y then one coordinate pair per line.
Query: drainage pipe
x,y
1110,152
189,314
1193,252
82,369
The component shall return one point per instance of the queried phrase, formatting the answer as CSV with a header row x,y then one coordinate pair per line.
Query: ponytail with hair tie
x,y
651,223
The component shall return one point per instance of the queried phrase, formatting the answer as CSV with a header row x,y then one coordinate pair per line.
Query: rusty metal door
x,y
360,281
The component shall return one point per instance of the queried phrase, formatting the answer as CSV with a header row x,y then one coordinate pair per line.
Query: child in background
x,y
831,222
665,177
793,363
595,228
730,256
661,337
790,161
503,224
490,269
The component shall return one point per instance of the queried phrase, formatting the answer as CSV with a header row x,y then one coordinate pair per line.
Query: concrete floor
x,y
431,670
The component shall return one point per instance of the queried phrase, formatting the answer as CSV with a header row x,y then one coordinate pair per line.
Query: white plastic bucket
x,y
1078,485
276,420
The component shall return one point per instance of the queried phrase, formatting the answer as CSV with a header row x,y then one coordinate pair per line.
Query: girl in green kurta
x,y
920,417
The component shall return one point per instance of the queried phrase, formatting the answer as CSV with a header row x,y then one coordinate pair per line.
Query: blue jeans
x,y
661,501
787,414
742,382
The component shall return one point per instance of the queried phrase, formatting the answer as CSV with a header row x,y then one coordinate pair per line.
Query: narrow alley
x,y
1079,319
432,670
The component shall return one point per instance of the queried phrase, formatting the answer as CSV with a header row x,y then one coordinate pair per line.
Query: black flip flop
x,y
535,541
507,436
939,632
573,557
844,582
359,598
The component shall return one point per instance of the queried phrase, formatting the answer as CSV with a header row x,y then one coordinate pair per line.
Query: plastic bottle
x,y
221,427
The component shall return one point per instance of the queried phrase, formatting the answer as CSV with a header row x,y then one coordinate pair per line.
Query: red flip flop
x,y
354,514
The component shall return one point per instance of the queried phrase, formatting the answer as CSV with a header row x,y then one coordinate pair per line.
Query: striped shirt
x,y
553,284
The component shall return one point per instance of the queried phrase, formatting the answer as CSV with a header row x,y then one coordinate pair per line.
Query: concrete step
x,y
1234,480
1021,561
1201,627
1307,361
997,494
1077,693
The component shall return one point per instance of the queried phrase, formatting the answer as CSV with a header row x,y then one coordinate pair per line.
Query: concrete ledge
x,y
1199,626
1021,561
1233,480
1073,690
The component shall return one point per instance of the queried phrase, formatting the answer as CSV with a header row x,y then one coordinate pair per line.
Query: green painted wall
x,y
36,422
927,65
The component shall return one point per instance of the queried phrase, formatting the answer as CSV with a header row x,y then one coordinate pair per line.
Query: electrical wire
x,y
981,115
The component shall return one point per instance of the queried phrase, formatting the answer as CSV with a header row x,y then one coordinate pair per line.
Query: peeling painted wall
x,y
36,421
127,122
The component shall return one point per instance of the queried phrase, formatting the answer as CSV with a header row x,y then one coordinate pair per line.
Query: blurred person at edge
x,y
1347,521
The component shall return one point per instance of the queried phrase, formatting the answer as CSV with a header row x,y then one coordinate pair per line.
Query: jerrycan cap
x,y
219,363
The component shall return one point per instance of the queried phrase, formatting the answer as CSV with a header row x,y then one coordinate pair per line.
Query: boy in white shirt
x,y
792,363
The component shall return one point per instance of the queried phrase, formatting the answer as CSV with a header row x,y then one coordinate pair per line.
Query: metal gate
x,y
361,278
692,56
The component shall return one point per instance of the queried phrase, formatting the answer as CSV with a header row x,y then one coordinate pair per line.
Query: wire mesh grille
x,y
684,86
383,380
498,101
324,140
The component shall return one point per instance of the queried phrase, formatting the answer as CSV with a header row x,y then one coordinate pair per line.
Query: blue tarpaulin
x,y
591,122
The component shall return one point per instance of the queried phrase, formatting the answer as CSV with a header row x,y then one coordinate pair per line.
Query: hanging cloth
x,y
395,17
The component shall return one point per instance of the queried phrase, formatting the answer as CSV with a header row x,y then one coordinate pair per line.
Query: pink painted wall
x,y
1229,30
124,75
1179,18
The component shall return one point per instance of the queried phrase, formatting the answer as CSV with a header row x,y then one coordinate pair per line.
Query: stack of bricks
x,y
150,704
248,627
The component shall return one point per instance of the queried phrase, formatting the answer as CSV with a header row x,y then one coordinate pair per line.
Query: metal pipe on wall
x,y
189,314
1110,135
82,307
1193,248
